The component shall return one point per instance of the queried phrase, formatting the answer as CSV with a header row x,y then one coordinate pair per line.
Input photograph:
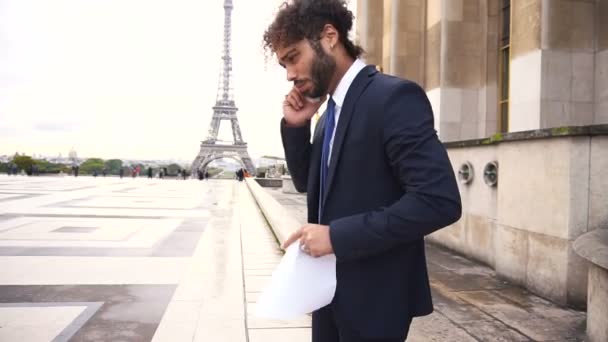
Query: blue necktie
x,y
330,123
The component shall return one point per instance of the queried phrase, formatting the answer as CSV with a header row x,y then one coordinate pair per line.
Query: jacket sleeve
x,y
297,146
420,162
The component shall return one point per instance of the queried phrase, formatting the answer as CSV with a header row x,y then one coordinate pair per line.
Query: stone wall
x,y
549,192
558,60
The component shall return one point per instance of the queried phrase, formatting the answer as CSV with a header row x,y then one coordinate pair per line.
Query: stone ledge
x,y
270,182
555,132
280,221
593,246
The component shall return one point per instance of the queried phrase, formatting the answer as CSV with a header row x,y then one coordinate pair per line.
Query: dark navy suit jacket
x,y
390,183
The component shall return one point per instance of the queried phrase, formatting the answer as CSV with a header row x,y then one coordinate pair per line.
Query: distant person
x,y
149,173
184,174
104,172
121,172
206,175
133,172
161,173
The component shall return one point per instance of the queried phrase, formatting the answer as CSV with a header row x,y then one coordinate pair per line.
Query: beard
x,y
321,71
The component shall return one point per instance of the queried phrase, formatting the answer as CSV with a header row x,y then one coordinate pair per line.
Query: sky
x,y
132,79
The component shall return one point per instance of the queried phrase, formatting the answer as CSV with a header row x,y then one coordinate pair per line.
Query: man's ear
x,y
330,35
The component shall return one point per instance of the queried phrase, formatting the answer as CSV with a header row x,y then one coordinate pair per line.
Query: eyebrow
x,y
281,63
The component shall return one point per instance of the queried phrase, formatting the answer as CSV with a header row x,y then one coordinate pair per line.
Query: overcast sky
x,y
132,78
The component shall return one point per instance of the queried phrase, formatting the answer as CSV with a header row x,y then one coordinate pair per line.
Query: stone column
x,y
407,39
568,48
456,67
601,64
488,93
552,63
369,29
387,30
432,65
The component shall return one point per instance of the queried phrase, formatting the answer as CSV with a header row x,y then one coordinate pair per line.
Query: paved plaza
x,y
105,259
108,259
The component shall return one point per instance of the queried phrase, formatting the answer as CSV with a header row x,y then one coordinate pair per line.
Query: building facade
x,y
493,66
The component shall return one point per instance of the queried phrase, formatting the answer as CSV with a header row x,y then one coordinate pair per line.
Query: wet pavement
x,y
472,303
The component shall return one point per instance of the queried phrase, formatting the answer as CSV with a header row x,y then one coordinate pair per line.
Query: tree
x,y
23,162
92,164
48,167
113,166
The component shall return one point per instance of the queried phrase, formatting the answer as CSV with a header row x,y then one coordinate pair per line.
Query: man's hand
x,y
314,240
297,110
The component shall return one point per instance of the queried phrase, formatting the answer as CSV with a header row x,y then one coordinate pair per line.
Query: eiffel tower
x,y
224,109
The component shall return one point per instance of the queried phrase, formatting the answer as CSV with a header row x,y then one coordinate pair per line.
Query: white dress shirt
x,y
340,93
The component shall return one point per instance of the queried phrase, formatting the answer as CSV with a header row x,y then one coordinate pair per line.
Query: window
x,y
503,66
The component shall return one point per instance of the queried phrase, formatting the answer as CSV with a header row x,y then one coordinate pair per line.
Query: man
x,y
377,177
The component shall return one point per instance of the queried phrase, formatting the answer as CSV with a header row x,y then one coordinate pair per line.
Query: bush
x,y
113,166
48,167
92,164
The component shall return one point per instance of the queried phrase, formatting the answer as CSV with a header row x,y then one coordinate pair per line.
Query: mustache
x,y
299,82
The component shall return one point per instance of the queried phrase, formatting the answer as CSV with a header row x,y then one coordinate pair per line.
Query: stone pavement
x,y
472,304
105,259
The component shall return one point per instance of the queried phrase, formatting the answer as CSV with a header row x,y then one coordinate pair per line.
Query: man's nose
x,y
291,75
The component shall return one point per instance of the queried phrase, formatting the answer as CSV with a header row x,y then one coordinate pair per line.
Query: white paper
x,y
299,285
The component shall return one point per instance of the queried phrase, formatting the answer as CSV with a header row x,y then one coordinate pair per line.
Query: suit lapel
x,y
361,81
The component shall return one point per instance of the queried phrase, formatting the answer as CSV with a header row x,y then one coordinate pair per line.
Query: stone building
x,y
495,65
519,89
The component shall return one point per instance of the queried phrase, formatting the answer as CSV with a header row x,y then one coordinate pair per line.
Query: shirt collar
x,y
348,78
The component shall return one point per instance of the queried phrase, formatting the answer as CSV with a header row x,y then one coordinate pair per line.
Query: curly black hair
x,y
305,19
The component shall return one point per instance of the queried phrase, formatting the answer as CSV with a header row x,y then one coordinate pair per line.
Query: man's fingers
x,y
292,238
290,102
295,99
